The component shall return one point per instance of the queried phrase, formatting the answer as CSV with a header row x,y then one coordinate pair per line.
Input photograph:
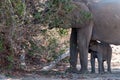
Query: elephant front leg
x,y
73,52
83,39
100,64
83,58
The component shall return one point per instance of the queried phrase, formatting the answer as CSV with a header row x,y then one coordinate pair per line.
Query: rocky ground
x,y
58,72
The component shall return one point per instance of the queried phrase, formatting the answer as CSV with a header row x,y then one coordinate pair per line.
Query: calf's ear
x,y
92,42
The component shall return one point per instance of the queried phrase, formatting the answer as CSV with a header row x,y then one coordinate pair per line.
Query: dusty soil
x,y
58,73
115,75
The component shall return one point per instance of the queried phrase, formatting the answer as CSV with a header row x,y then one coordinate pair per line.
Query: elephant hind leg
x,y
109,66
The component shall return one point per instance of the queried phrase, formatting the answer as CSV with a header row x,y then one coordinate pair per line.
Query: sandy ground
x,y
115,75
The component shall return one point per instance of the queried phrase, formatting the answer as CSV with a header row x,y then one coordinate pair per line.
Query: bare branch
x,y
53,63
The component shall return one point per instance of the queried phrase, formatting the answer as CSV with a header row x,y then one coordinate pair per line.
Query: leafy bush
x,y
49,44
54,13
1,44
62,14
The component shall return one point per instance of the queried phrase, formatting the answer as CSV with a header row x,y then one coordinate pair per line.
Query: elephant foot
x,y
101,72
109,72
92,72
72,70
83,71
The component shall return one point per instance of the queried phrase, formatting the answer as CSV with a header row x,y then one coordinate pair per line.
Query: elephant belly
x,y
106,14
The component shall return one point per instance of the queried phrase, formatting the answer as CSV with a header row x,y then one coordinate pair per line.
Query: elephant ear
x,y
93,42
78,17
81,15
93,45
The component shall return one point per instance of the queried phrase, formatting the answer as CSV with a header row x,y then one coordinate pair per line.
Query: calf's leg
x,y
100,63
109,66
92,63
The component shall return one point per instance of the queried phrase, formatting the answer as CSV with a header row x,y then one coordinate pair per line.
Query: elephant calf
x,y
101,51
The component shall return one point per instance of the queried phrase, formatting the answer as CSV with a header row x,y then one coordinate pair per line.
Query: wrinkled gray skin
x,y
103,52
106,28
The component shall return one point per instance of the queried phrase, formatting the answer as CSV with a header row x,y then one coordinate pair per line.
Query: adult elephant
x,y
106,28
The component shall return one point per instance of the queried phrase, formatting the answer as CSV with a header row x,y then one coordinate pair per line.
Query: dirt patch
x,y
58,73
113,76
